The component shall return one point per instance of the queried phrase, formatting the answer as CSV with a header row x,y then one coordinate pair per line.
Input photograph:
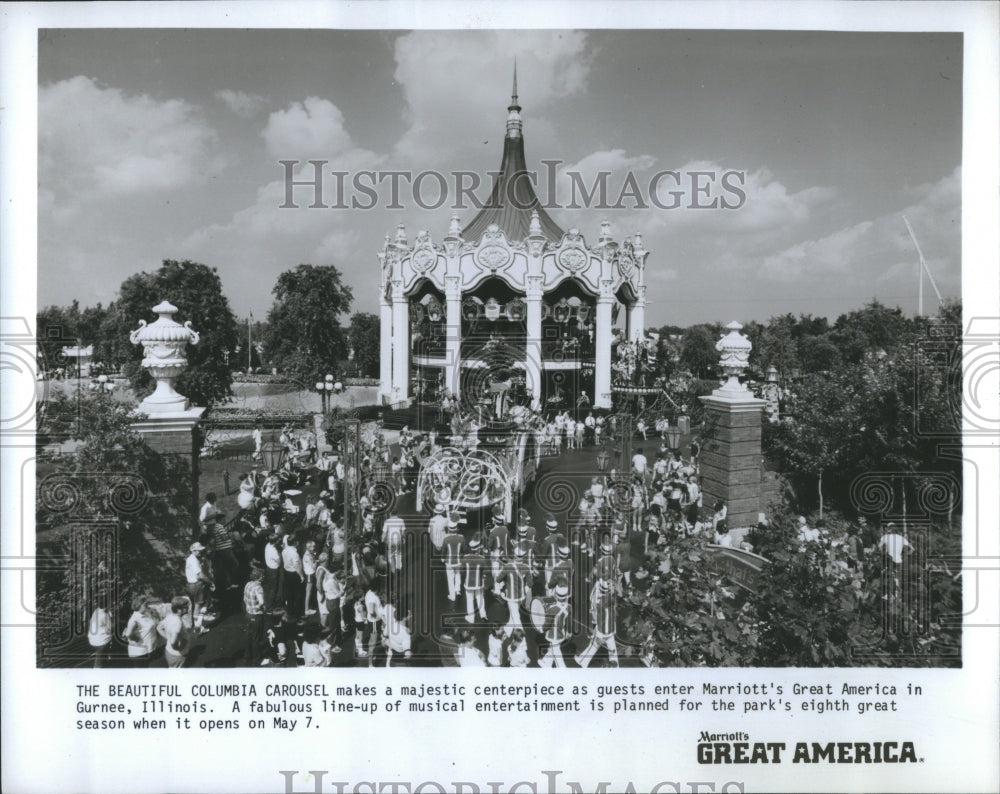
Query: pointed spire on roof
x,y
514,110
513,204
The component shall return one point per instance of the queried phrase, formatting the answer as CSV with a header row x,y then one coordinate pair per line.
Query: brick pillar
x,y
730,459
177,433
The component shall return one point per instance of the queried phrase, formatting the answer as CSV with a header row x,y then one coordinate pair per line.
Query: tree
x,y
303,326
112,486
364,338
893,412
882,326
821,417
56,328
698,353
818,353
689,615
196,291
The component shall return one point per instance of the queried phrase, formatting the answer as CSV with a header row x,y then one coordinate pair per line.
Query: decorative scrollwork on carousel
x,y
462,479
494,252
625,259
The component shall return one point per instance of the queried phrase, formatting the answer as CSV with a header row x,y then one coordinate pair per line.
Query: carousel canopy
x,y
513,197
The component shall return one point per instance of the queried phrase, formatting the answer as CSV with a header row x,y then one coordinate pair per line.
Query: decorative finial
x,y
535,229
605,232
163,345
401,234
454,229
514,110
734,348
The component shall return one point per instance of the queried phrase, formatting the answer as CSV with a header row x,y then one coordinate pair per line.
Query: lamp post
x,y
325,388
102,385
273,454
674,439
351,454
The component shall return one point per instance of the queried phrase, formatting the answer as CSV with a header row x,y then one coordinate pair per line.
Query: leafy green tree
x,y
110,480
698,353
364,337
303,326
196,291
811,604
881,326
56,328
818,353
687,614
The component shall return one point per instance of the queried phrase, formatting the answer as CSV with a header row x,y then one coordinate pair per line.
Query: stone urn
x,y
163,347
734,348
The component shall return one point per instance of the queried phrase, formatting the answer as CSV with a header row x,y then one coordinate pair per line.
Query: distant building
x,y
81,357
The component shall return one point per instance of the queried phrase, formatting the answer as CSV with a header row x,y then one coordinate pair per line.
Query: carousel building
x,y
508,302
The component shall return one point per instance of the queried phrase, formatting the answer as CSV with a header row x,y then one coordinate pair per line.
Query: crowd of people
x,y
283,564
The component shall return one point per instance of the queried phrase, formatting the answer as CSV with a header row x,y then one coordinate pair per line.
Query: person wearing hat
x,y
197,583
497,543
557,627
526,537
549,549
516,578
606,566
437,527
474,566
562,571
452,547
603,613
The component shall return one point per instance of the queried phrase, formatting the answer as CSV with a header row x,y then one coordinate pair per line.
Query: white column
x,y
533,357
602,352
385,349
453,330
400,348
636,320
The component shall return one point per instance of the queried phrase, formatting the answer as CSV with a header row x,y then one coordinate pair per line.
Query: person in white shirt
x,y
209,513
895,545
272,572
806,533
639,464
396,635
394,527
294,579
374,613
437,527
197,582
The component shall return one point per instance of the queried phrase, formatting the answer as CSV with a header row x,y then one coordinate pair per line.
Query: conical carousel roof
x,y
513,197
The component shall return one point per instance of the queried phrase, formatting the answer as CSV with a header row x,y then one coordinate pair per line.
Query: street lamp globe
x,y
273,454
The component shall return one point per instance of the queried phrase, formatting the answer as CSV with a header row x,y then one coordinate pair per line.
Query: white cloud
x,y
310,129
96,142
241,103
456,87
882,246
832,254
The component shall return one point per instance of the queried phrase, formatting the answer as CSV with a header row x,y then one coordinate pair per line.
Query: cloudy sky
x,y
164,144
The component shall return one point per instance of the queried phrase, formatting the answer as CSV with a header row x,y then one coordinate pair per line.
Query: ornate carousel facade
x,y
508,308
